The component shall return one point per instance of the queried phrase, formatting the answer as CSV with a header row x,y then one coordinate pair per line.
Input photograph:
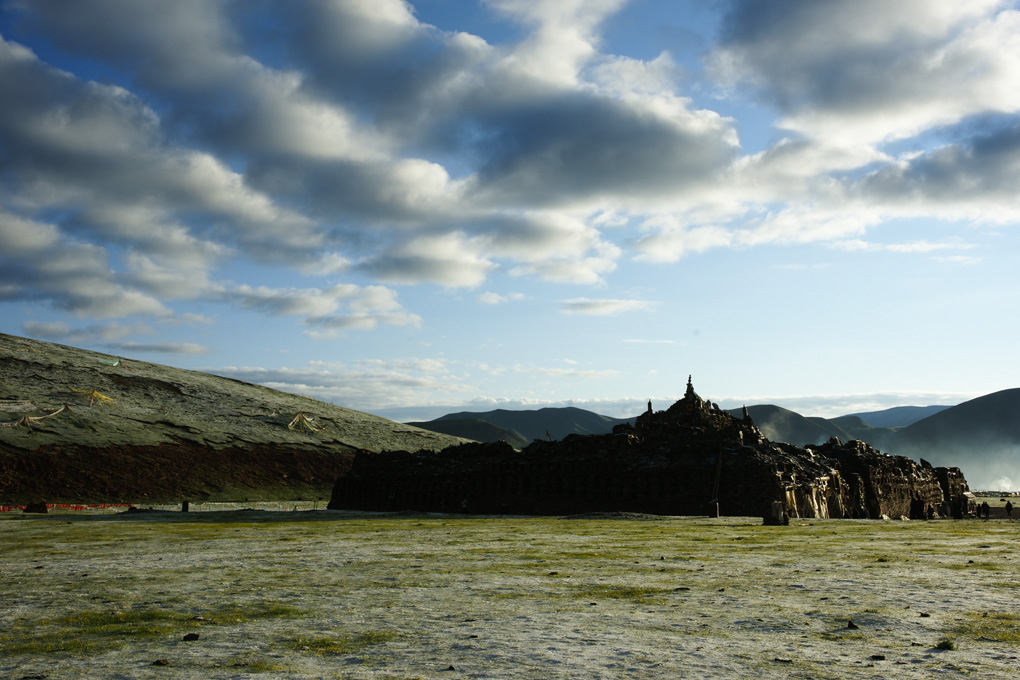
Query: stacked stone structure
x,y
691,459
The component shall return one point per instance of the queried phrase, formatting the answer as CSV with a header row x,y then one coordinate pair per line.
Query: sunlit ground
x,y
315,594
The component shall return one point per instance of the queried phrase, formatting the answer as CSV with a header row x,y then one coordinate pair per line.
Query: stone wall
x,y
681,461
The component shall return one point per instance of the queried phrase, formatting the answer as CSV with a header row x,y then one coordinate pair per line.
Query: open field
x,y
321,594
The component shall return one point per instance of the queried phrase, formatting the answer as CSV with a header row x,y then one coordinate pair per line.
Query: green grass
x,y
341,645
989,627
285,597
608,591
95,631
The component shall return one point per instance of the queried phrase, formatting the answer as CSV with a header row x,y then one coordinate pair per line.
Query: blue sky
x,y
410,208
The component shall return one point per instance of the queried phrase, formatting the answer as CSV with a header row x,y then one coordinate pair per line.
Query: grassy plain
x,y
321,594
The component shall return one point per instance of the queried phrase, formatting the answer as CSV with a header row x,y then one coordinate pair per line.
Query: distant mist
x,y
990,465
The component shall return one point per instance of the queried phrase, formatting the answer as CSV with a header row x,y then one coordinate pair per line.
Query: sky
x,y
413,208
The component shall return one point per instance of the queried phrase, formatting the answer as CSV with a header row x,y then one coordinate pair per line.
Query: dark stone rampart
x,y
681,461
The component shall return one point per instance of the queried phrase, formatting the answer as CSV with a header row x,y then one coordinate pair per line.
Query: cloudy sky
x,y
410,208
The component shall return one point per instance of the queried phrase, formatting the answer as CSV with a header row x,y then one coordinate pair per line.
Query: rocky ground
x,y
323,594
79,426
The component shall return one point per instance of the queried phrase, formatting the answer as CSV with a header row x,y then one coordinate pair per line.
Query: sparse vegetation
x,y
335,595
342,644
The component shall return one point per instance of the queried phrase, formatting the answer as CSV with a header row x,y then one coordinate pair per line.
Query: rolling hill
x,y
475,428
982,436
81,426
898,416
526,426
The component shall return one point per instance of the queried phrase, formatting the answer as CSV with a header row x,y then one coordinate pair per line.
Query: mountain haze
x,y
982,436
898,416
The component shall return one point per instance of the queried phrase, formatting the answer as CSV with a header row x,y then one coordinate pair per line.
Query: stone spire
x,y
690,394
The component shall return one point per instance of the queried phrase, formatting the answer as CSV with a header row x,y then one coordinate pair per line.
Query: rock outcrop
x,y
691,459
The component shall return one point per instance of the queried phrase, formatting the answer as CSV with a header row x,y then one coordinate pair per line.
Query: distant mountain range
x,y
519,428
981,436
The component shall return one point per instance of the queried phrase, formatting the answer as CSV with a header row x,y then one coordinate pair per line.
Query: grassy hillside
x,y
73,421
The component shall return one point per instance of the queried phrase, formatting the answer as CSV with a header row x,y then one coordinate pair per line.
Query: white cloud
x,y
905,248
451,260
325,311
490,298
883,70
59,331
672,244
368,385
590,307
350,140
561,42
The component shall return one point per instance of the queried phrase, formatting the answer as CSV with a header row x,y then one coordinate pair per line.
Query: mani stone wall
x,y
675,462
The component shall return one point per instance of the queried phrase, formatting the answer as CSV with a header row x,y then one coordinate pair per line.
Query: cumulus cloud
x,y
451,260
73,277
883,69
325,311
973,177
349,141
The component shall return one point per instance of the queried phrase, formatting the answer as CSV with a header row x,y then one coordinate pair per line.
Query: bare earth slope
x,y
81,426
